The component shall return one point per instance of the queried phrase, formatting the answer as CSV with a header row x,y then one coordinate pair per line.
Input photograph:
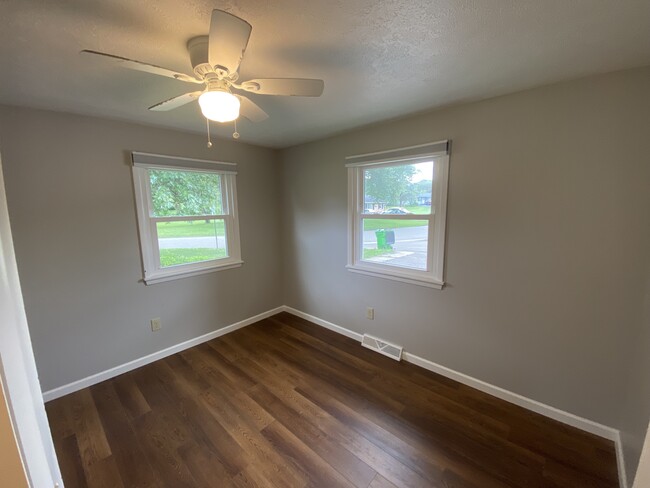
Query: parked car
x,y
396,211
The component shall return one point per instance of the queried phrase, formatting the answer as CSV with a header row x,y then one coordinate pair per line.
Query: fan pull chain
x,y
235,135
207,122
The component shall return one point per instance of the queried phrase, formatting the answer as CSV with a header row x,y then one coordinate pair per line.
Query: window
x,y
397,210
187,216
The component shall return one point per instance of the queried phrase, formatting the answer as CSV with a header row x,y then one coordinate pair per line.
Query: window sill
x,y
177,274
397,276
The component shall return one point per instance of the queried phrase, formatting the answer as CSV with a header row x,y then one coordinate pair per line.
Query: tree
x,y
423,186
177,193
408,196
391,184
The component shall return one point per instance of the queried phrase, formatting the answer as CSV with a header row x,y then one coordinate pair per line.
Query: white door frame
x,y
18,369
642,478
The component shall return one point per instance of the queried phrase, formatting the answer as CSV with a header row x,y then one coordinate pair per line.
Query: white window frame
x,y
438,152
153,272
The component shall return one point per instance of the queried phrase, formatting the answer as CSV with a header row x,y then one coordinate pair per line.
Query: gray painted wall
x,y
548,238
71,204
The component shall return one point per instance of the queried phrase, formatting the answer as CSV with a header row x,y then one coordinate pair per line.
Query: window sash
x,y
428,216
222,183
430,229
153,229
183,218
433,275
152,269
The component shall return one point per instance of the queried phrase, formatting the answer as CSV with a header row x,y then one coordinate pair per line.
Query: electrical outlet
x,y
155,324
370,313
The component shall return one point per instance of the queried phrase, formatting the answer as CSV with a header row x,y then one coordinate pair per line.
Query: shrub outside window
x,y
187,216
397,213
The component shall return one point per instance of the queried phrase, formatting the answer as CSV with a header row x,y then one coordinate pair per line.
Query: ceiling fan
x,y
215,59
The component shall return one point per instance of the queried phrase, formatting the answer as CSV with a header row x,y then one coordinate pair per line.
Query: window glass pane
x,y
180,193
403,189
396,242
191,241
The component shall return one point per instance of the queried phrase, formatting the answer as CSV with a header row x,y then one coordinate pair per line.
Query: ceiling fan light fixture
x,y
216,58
219,105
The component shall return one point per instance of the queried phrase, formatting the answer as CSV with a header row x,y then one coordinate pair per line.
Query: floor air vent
x,y
382,347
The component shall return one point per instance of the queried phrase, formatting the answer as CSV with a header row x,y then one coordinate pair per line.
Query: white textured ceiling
x,y
379,59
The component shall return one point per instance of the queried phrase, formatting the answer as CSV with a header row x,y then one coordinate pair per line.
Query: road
x,y
406,238
192,242
410,248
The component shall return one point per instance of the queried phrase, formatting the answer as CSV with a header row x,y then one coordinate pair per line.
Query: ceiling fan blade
x,y
228,40
295,87
175,102
139,66
251,110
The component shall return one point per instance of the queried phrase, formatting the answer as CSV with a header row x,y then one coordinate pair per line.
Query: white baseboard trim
x,y
520,400
527,403
622,474
567,418
136,363
324,323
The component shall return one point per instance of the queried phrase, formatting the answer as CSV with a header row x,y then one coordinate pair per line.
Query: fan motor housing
x,y
198,48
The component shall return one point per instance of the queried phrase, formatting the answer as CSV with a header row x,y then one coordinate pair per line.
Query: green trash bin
x,y
381,239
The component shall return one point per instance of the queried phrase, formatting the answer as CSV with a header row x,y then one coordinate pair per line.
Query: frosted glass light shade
x,y
219,106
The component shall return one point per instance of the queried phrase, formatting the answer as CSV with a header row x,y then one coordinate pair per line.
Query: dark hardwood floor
x,y
285,403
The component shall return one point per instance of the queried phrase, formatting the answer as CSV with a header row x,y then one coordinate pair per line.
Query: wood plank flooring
x,y
286,403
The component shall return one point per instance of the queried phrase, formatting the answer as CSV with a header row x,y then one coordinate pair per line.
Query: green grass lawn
x,y
370,224
196,228
171,257
372,253
199,228
421,209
